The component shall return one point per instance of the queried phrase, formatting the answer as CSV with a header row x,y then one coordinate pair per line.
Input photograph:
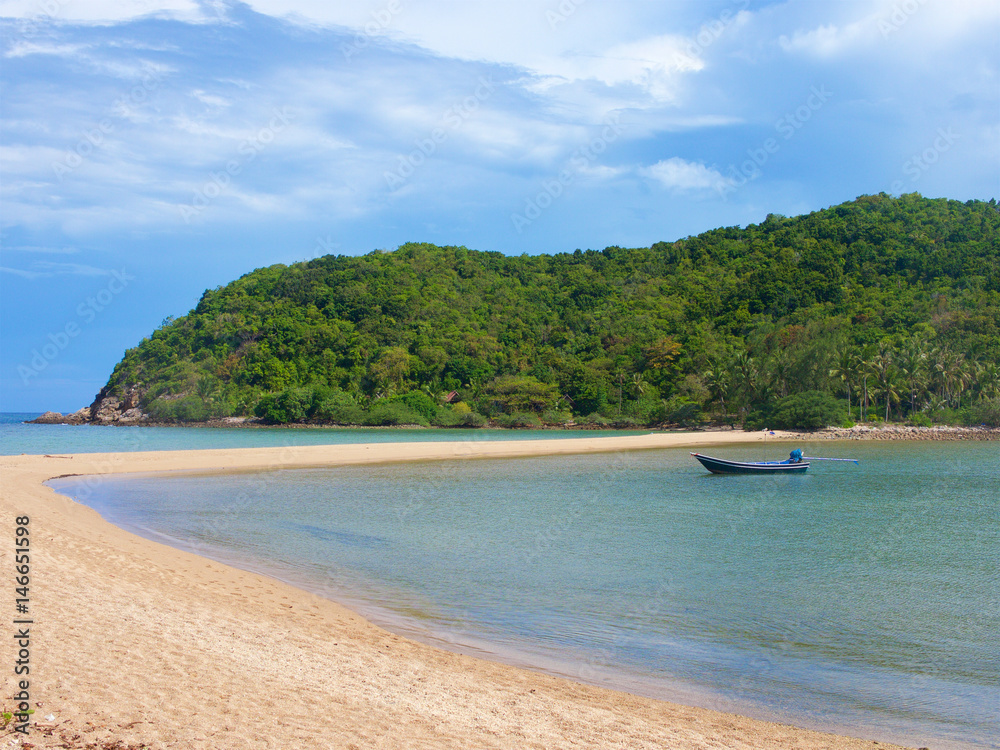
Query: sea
x,y
856,599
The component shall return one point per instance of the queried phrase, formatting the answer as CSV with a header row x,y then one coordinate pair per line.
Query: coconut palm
x,y
965,376
988,380
886,374
913,368
866,365
638,384
718,381
845,369
747,373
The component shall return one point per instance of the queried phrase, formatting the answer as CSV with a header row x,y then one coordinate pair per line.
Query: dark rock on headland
x,y
121,411
81,416
106,410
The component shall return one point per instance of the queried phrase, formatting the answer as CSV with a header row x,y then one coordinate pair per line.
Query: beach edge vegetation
x,y
879,309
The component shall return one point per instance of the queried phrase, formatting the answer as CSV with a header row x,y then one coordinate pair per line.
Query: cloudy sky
x,y
150,149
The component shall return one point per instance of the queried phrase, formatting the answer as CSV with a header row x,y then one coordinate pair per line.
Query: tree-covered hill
x,y
892,304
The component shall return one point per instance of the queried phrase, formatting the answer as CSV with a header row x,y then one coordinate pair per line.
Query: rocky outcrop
x,y
81,416
120,411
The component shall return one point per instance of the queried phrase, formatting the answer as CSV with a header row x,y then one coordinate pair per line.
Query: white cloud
x,y
25,48
680,175
45,268
103,11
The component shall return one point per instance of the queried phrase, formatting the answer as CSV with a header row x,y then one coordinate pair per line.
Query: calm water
x,y
17,437
855,599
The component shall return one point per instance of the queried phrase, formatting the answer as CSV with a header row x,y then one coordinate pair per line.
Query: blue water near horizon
x,y
862,600
17,437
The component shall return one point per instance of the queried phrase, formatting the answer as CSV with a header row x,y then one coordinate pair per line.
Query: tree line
x,y
880,308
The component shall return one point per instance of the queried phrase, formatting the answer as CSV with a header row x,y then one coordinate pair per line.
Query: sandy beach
x,y
135,644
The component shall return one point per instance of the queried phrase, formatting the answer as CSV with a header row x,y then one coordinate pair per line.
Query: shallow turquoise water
x,y
17,437
862,600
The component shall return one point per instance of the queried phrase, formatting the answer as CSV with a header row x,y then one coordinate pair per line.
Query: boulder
x,y
49,417
105,410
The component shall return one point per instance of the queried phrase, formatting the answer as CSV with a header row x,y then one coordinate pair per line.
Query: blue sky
x,y
152,149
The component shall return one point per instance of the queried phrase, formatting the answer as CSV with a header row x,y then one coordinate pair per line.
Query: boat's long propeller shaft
x,y
817,458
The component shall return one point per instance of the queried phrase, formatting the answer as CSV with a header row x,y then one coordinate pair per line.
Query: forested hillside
x,y
889,304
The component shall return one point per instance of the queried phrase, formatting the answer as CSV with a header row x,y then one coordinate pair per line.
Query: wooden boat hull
x,y
724,466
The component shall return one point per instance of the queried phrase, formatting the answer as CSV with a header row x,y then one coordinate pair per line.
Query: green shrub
x,y
554,417
419,402
187,409
446,417
518,420
945,416
676,410
451,417
758,419
346,415
811,410
289,406
985,412
335,405
919,419
388,413
472,419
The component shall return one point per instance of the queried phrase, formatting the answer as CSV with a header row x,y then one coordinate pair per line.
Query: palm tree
x,y
746,369
988,380
886,375
913,366
620,377
638,384
781,366
964,377
866,364
845,369
717,380
947,371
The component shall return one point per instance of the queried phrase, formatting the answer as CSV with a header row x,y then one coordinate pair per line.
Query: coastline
x,y
148,645
864,431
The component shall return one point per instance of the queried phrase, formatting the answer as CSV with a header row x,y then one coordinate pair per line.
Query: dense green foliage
x,y
892,305
806,411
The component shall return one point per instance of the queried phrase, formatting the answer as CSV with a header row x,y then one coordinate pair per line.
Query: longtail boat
x,y
796,463
724,466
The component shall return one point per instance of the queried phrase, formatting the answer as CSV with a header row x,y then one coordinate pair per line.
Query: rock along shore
x,y
906,432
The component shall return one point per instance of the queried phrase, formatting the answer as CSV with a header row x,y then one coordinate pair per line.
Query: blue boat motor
x,y
795,457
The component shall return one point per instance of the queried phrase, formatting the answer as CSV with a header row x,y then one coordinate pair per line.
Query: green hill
x,y
896,298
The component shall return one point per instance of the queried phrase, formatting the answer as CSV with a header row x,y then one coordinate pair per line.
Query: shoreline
x,y
139,642
861,431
